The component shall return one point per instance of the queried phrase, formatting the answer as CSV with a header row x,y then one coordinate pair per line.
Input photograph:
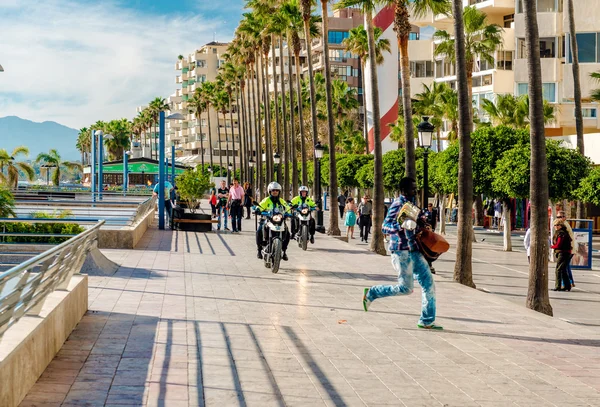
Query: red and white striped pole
x,y
387,75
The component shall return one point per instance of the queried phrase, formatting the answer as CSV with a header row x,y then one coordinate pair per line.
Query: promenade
x,y
194,319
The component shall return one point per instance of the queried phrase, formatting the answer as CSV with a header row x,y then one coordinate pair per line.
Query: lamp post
x,y
229,174
425,130
251,164
94,163
161,164
319,149
101,162
276,161
173,164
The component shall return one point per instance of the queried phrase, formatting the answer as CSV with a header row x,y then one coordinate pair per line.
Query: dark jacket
x,y
563,242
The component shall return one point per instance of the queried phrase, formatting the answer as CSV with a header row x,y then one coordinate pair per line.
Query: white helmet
x,y
302,189
274,186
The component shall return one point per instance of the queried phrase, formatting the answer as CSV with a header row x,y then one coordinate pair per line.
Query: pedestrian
x,y
407,260
222,211
562,215
213,202
247,198
562,249
527,244
497,214
365,209
341,204
236,196
351,210
168,187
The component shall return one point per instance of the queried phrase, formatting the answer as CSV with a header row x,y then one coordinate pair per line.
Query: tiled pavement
x,y
195,319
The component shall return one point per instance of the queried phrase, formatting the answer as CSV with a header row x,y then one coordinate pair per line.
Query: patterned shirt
x,y
401,239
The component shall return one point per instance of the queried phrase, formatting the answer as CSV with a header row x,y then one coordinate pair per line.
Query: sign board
x,y
582,251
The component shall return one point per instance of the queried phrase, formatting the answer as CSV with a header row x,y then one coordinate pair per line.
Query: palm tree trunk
x,y
377,244
576,94
537,293
286,141
220,146
267,106
439,141
409,134
243,130
257,128
258,135
463,272
301,121
293,137
334,229
276,111
313,102
199,119
507,242
210,145
364,106
232,139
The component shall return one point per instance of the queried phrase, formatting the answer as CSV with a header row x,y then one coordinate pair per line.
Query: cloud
x,y
76,63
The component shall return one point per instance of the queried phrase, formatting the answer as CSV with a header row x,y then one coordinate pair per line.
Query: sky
x,y
79,61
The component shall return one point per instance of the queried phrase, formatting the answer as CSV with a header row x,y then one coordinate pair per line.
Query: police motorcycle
x,y
274,230
303,216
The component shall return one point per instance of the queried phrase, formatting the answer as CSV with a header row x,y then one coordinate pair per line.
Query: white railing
x,y
24,288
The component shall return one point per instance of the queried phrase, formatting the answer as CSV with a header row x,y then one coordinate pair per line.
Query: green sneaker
x,y
432,326
365,300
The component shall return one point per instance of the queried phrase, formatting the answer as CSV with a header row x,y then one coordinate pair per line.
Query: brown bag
x,y
431,244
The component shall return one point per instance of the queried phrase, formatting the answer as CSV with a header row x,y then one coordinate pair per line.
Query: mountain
x,y
38,137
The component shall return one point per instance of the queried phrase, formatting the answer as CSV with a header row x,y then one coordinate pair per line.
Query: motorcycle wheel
x,y
266,258
275,255
304,237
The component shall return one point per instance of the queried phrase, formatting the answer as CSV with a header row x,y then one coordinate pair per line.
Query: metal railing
x,y
24,288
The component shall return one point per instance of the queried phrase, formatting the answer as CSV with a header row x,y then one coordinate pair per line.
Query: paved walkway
x,y
195,319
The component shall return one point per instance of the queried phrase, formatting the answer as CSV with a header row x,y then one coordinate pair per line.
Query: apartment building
x,y
190,136
488,79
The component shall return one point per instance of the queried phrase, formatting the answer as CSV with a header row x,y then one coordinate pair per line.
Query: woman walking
x,y
562,249
247,198
350,221
365,208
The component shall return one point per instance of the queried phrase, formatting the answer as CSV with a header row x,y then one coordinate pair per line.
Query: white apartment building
x,y
509,73
190,136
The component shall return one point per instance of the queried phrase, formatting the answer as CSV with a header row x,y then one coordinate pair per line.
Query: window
x,y
483,65
203,122
360,91
521,48
201,78
586,44
589,112
548,90
201,63
504,60
336,37
543,6
522,89
548,47
214,50
476,81
421,69
439,69
413,36
486,80
509,20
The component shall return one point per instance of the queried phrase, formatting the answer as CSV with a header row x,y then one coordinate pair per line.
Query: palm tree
x,y
14,168
121,141
482,40
576,93
428,103
294,15
537,293
349,138
7,203
449,107
154,108
344,99
402,27
206,92
358,44
197,106
53,159
83,144
307,8
368,7
595,95
221,101
513,111
463,269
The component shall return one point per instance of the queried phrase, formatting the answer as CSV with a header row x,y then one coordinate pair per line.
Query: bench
x,y
194,225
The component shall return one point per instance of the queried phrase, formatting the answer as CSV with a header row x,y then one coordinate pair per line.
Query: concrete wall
x,y
30,345
127,237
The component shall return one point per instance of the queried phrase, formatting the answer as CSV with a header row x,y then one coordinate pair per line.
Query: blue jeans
x,y
408,264
223,212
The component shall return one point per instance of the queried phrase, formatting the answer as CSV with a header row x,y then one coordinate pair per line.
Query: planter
x,y
196,227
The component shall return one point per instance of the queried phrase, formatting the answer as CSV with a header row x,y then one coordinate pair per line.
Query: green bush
x,y
46,228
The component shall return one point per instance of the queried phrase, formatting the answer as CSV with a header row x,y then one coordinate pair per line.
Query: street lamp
x,y
319,150
101,139
126,155
425,130
229,168
276,161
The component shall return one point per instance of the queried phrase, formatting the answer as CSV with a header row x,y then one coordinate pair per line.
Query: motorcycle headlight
x,y
304,211
277,218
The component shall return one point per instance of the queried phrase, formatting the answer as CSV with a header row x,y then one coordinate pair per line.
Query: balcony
x,y
178,79
492,7
184,76
550,24
551,69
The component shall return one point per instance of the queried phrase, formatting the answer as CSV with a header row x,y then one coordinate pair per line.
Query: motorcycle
x,y
303,218
274,229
